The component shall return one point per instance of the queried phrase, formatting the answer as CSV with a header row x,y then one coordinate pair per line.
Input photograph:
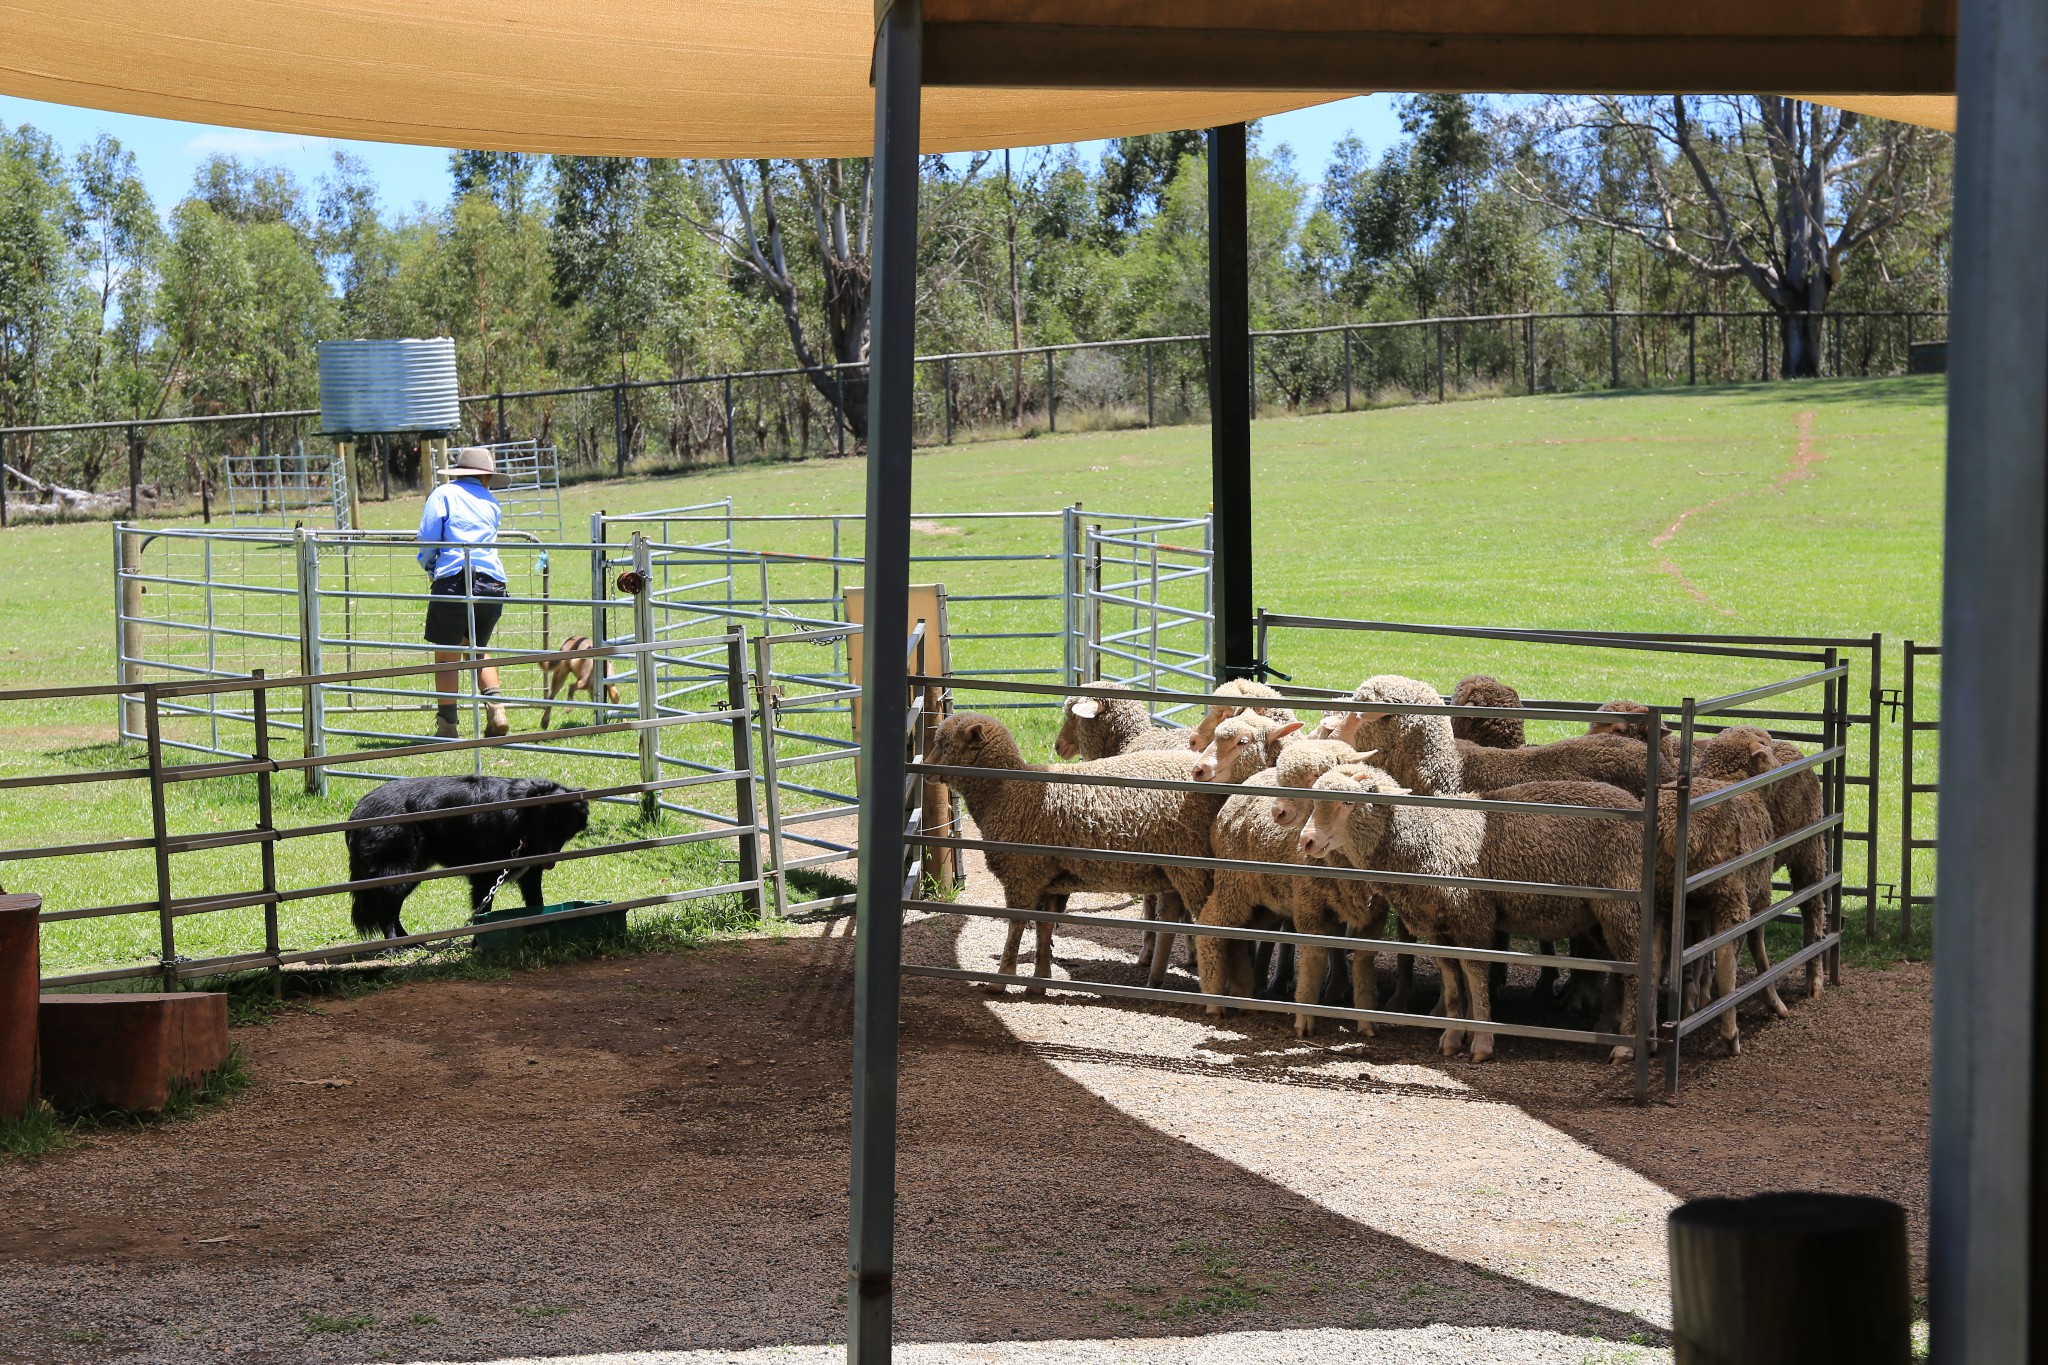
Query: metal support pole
x,y
732,448
1908,780
504,432
947,366
600,593
1529,350
3,479
1763,348
134,475
619,428
771,795
1070,588
1876,770
1439,362
1230,418
1052,399
160,841
1988,1208
1645,1022
1681,837
1346,334
1692,349
1149,406
313,702
878,967
746,797
1614,350
259,710
128,643
645,680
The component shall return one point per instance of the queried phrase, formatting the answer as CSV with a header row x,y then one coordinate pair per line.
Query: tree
x,y
1777,192
595,253
38,226
118,245
1136,172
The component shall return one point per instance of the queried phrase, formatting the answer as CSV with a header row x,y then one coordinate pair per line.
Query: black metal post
x,y
504,432
1763,348
1052,421
1346,334
947,366
878,968
3,482
1529,348
1439,362
134,474
1230,417
1614,350
1987,1246
1692,349
732,450
619,427
1148,384
1251,373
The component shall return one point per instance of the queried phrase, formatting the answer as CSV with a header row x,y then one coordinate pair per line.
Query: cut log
x,y
125,1051
1790,1279
20,979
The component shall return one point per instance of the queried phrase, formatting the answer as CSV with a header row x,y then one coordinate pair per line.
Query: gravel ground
x,y
648,1156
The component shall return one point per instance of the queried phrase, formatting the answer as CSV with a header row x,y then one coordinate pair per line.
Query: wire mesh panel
x,y
286,488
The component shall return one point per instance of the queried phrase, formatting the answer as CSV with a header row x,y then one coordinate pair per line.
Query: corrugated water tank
x,y
404,385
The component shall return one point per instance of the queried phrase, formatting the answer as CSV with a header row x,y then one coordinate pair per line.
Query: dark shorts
x,y
448,616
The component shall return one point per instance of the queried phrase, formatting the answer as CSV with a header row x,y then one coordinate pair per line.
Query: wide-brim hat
x,y
474,462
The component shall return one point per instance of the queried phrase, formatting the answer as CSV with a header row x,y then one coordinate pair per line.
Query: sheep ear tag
x,y
1087,708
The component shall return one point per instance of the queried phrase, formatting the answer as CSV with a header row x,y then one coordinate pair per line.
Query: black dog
x,y
457,839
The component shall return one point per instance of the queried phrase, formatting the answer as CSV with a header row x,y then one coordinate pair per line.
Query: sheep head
x,y
968,739
1627,719
1346,725
1740,751
1299,766
1078,712
1355,828
1242,746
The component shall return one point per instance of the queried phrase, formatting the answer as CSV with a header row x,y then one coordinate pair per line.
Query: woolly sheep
x,y
1793,803
1080,816
1557,848
1103,727
1488,732
1205,730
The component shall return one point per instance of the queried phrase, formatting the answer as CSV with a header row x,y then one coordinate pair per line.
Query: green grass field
x,y
1810,508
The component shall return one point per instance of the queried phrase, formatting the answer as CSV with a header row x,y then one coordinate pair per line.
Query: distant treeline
x,y
552,271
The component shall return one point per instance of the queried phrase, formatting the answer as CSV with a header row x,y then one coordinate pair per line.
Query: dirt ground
x,y
650,1153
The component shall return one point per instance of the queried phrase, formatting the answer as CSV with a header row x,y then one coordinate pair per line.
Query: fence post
x,y
504,432
1681,834
1837,731
1346,334
1069,586
1644,1024
1692,349
732,450
1251,374
313,705
3,479
259,711
746,797
764,687
1876,783
619,428
128,627
160,840
1147,395
1439,362
839,407
600,592
1908,713
649,687
1051,397
1763,348
134,475
1529,349
946,366
1614,349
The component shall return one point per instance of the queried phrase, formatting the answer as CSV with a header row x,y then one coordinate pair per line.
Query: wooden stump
x,y
124,1051
1790,1279
20,982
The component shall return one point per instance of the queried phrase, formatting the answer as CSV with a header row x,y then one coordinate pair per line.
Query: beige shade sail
x,y
598,77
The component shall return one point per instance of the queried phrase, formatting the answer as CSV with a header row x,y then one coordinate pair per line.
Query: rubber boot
x,y
495,723
444,728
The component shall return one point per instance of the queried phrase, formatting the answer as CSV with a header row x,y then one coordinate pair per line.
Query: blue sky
x,y
167,153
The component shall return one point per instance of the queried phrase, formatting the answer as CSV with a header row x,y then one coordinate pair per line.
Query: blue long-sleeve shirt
x,y
463,511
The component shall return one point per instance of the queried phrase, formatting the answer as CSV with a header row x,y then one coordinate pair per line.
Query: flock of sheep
x,y
1309,820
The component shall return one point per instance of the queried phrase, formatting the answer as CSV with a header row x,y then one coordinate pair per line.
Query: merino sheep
x,y
1793,802
1488,732
1558,848
1103,727
1081,817
1421,751
1205,730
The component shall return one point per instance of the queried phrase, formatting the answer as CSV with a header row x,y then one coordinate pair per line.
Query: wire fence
x,y
779,414
235,886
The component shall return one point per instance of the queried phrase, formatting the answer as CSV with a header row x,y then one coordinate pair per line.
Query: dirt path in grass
x,y
650,1154
1805,456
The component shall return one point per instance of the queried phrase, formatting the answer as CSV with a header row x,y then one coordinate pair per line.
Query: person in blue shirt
x,y
459,532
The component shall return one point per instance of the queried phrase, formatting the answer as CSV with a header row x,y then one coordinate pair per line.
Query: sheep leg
x,y
1221,964
1281,983
1724,986
1365,987
1761,956
1148,941
1262,967
1402,1000
1546,979
1453,1000
1013,936
1173,910
1043,970
1479,1007
1312,964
